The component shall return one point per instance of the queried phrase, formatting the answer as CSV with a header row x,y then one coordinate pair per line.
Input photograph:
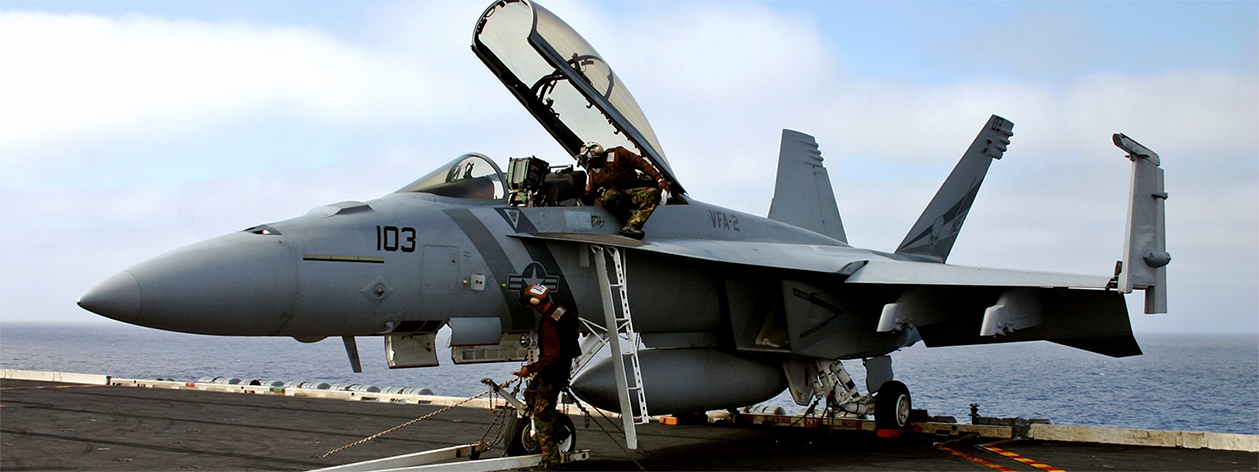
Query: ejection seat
x,y
534,182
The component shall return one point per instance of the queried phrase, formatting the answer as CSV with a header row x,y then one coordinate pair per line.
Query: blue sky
x,y
945,42
131,128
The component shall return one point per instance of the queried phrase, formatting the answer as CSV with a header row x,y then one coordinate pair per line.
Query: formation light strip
x,y
334,258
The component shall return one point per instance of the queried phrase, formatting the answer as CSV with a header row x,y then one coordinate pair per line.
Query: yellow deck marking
x,y
943,447
991,447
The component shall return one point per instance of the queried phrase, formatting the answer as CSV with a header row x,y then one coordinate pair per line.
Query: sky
x,y
128,129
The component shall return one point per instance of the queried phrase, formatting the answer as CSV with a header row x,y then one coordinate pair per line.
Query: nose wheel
x,y
891,406
523,440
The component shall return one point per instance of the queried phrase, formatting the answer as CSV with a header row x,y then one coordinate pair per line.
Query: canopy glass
x,y
563,81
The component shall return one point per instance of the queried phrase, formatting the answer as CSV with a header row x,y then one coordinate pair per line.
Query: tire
x,y
519,441
891,406
522,441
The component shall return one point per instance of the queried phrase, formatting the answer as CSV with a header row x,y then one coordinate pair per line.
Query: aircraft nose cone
x,y
118,297
240,284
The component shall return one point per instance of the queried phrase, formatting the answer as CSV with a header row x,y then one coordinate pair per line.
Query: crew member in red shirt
x,y
557,343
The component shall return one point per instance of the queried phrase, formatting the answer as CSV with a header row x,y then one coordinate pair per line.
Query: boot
x,y
632,231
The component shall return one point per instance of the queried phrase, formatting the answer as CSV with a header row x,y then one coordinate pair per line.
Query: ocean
x,y
1190,382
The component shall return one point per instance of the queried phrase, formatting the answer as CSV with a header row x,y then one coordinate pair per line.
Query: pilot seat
x,y
535,183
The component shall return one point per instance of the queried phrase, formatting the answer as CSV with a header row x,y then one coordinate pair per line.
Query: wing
x,y
870,268
945,305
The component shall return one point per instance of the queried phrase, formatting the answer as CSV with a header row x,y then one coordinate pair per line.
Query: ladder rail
x,y
618,261
621,328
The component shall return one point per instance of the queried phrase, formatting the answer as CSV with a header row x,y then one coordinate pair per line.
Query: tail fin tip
x,y
932,236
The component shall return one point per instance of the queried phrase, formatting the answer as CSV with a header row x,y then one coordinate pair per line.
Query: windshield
x,y
469,176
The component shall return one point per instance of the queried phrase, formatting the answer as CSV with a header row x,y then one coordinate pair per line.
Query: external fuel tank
x,y
687,380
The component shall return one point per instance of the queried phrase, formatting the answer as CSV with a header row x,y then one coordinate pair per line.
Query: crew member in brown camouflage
x,y
615,183
557,342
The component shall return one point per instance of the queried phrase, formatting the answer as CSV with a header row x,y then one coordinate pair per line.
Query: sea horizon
x,y
1194,381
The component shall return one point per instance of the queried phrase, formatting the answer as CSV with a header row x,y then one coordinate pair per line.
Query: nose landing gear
x,y
523,440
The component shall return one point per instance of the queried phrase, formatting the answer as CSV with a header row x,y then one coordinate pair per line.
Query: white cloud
x,y
75,76
1191,112
717,84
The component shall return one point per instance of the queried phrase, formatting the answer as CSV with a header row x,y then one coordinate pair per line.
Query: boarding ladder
x,y
622,339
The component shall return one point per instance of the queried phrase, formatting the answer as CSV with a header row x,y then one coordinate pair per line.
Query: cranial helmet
x,y
592,148
589,150
537,294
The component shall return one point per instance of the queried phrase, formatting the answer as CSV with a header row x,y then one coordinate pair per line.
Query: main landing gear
x,y
892,405
812,382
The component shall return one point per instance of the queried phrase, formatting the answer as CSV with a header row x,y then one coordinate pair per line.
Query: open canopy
x,y
563,81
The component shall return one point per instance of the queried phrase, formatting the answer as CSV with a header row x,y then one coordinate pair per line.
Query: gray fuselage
x,y
407,260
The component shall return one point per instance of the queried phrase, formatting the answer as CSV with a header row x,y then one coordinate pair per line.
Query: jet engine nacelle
x,y
687,381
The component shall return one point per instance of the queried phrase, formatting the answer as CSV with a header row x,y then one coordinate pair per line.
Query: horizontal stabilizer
x,y
932,237
1092,320
802,192
1122,345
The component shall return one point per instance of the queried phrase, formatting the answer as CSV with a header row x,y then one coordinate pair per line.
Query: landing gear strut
x,y
523,437
828,380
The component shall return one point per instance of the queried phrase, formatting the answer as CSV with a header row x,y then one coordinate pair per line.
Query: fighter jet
x,y
713,309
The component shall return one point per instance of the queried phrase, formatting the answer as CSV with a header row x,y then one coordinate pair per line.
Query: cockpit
x,y
529,182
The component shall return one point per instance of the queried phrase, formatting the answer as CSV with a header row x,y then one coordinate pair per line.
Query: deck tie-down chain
x,y
581,407
499,414
409,423
577,402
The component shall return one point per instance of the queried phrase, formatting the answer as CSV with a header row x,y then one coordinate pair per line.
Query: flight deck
x,y
124,424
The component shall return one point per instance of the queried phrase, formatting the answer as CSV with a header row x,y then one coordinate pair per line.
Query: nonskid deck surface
x,y
58,426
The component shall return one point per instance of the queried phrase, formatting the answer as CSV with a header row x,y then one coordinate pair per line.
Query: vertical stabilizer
x,y
932,237
1144,265
802,192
